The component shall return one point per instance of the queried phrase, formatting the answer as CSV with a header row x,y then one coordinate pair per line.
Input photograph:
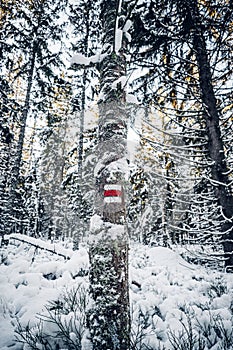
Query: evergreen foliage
x,y
189,96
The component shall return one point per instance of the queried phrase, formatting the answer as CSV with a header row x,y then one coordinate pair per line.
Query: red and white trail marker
x,y
112,193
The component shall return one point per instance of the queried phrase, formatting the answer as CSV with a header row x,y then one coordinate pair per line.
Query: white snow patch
x,y
161,256
127,25
120,81
80,59
86,61
130,98
164,290
118,40
96,223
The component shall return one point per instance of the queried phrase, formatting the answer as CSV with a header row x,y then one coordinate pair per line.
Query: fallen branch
x,y
39,244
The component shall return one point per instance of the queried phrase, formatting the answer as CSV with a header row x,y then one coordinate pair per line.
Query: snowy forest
x,y
116,173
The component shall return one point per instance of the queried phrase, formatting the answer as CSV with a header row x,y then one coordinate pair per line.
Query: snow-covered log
x,y
40,244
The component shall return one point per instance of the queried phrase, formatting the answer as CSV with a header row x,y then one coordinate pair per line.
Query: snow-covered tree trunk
x,y
80,219
5,153
109,319
17,163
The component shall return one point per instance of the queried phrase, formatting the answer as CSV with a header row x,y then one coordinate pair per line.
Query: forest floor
x,y
174,304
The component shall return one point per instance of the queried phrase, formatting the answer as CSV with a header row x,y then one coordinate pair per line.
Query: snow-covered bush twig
x,y
215,333
64,322
197,335
138,333
34,337
187,338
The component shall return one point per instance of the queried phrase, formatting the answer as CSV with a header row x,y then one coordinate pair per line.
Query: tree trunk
x,y
5,153
80,182
109,319
219,169
80,219
19,149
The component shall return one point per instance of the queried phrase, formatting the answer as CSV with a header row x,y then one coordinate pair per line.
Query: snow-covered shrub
x,y
217,288
61,327
187,338
138,331
189,332
215,334
3,256
34,338
164,291
147,328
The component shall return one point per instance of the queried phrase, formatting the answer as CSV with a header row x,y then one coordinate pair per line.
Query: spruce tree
x,y
85,29
187,56
34,29
216,149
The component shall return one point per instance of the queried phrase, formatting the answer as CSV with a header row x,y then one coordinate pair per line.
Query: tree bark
x,y
219,168
19,149
5,154
109,319
80,182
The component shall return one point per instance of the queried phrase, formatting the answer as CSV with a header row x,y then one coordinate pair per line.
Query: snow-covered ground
x,y
173,303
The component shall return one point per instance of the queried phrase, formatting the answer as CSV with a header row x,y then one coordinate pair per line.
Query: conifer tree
x,y
187,52
85,23
219,169
34,29
8,109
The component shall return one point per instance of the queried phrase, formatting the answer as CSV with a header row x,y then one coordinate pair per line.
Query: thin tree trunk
x,y
79,181
19,150
80,219
109,319
219,169
5,148
81,126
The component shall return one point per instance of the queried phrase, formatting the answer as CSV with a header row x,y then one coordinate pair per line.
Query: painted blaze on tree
x,y
113,193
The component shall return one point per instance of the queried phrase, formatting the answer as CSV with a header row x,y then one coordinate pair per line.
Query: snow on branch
x,y
40,244
82,60
118,40
122,81
126,28
117,31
